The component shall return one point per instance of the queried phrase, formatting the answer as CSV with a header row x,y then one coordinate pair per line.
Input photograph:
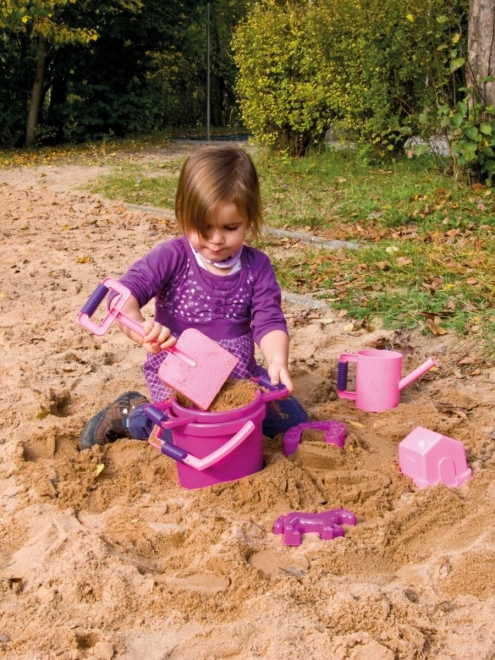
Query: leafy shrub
x,y
469,130
467,125
360,66
283,84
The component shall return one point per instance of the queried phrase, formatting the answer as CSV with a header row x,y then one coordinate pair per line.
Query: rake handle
x,y
115,314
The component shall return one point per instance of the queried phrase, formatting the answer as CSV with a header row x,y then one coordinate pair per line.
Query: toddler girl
x,y
210,280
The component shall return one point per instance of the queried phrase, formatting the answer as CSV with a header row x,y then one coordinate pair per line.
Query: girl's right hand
x,y
157,337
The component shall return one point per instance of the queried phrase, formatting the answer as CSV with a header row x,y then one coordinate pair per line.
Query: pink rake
x,y
196,366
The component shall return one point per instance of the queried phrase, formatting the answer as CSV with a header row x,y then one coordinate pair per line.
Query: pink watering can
x,y
378,378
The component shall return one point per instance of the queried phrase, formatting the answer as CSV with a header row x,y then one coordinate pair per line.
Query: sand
x,y
103,554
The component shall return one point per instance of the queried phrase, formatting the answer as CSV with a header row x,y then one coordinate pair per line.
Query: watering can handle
x,y
182,456
342,368
115,314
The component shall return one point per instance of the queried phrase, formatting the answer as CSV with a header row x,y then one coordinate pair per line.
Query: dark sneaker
x,y
111,423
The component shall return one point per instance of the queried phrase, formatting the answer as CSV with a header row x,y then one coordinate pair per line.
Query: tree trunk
x,y
37,91
481,47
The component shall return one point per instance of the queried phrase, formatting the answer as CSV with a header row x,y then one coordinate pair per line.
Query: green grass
x,y
426,243
151,184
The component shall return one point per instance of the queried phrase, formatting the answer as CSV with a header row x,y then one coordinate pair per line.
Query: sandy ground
x,y
104,554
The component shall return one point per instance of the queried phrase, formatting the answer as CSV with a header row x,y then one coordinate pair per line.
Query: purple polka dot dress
x,y
236,310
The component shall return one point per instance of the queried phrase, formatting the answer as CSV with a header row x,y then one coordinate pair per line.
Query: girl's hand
x,y
275,348
157,337
279,374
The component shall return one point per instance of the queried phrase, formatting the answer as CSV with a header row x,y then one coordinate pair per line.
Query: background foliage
x,y
375,73
365,68
114,67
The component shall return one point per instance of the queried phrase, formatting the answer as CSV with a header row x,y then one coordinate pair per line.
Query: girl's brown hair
x,y
214,175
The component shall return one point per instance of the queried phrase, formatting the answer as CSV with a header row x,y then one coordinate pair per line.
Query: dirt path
x,y
104,554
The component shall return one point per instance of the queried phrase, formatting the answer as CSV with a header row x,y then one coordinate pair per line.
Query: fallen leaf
x,y
349,327
404,261
447,408
99,468
84,260
467,360
382,265
477,187
435,328
357,425
472,281
445,569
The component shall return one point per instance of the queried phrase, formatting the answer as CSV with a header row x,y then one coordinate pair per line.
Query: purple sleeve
x,y
147,276
266,314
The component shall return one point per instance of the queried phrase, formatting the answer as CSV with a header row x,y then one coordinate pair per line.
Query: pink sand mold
x,y
328,524
430,458
335,434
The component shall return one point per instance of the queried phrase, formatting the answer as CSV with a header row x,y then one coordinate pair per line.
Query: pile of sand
x,y
104,555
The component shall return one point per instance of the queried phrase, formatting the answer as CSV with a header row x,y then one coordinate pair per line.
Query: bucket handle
x,y
155,413
182,456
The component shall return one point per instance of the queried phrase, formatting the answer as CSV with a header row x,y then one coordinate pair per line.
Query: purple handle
x,y
94,300
172,451
200,464
115,314
156,415
276,391
342,369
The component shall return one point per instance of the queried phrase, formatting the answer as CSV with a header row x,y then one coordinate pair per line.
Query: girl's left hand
x,y
279,374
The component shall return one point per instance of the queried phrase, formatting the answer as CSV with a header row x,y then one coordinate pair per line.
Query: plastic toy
x,y
378,381
328,524
212,447
197,366
429,458
335,433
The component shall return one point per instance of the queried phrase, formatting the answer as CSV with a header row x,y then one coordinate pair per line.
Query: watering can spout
x,y
431,362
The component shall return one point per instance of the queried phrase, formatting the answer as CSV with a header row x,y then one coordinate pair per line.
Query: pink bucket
x,y
211,448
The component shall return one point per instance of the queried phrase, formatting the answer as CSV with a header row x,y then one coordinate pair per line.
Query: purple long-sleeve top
x,y
235,310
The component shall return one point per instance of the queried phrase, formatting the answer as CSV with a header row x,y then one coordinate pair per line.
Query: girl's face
x,y
225,231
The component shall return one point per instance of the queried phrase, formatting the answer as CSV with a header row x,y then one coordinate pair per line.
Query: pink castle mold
x,y
430,458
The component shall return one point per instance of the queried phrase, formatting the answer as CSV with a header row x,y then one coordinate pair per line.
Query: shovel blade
x,y
200,383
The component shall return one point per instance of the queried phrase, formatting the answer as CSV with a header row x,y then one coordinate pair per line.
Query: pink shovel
x,y
196,366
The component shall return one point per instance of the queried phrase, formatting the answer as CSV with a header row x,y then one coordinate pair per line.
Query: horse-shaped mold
x,y
327,524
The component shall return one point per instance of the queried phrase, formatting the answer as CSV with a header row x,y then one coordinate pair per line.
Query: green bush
x,y
360,66
283,85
